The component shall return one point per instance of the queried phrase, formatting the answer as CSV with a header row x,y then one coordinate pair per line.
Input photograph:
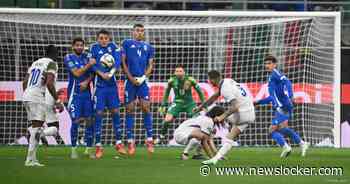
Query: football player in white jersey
x,y
239,114
198,131
40,76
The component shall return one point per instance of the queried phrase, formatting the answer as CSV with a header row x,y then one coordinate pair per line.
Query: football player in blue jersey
x,y
281,97
107,56
80,105
137,60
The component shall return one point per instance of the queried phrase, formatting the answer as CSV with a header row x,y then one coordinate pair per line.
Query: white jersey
x,y
231,90
36,87
204,123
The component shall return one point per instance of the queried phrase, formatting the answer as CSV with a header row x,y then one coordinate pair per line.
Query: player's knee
x,y
273,128
145,108
283,124
130,108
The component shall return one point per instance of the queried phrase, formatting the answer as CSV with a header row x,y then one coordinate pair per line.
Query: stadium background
x,y
7,65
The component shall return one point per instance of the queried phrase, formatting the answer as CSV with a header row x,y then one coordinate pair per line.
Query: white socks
x,y
193,143
50,131
226,147
31,155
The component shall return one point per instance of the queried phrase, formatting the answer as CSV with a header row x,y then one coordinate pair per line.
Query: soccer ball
x,y
107,60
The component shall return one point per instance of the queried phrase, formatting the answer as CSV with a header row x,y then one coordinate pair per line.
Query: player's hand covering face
x,y
179,73
139,33
78,48
103,40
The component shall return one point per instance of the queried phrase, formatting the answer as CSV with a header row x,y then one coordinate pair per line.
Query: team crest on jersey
x,y
132,46
71,64
145,47
109,49
100,52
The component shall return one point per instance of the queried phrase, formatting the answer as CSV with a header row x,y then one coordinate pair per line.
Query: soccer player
x,y
41,75
199,131
137,59
182,85
239,114
80,104
106,88
281,97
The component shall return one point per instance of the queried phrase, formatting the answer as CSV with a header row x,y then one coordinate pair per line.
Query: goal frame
x,y
337,36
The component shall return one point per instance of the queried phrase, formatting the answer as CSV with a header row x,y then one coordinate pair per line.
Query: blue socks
x,y
74,133
292,134
98,127
116,126
89,132
278,138
129,119
147,120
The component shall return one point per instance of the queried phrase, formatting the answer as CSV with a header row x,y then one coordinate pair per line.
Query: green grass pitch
x,y
163,167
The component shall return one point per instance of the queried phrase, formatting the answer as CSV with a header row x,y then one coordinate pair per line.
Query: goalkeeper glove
x,y
162,109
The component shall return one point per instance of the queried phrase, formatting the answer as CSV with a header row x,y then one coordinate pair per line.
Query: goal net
x,y
235,43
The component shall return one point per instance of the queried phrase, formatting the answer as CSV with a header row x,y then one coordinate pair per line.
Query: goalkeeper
x,y
183,102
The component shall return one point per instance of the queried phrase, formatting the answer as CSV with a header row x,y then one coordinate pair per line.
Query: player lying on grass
x,y
182,85
41,75
199,131
239,114
80,104
281,97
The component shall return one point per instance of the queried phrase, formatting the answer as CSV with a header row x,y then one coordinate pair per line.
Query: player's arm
x,y
167,92
86,82
212,146
126,70
288,85
77,72
149,68
198,90
208,102
50,79
25,82
233,107
206,146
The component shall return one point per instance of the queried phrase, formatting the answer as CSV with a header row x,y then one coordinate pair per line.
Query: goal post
x,y
307,45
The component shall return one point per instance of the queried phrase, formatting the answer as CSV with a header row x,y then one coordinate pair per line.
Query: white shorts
x,y
51,115
241,120
35,111
181,135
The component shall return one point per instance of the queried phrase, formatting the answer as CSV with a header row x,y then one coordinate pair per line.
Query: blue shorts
x,y
132,92
106,97
81,106
281,116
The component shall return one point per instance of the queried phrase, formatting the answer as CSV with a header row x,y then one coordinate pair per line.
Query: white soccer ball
x,y
107,60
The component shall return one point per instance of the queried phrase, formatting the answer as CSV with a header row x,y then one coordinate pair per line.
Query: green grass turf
x,y
164,167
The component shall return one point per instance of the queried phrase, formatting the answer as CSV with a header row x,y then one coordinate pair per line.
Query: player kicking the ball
x,y
41,75
281,97
199,131
239,114
182,85
137,59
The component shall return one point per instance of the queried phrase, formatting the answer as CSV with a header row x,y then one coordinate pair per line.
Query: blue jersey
x,y
138,55
96,52
71,62
280,90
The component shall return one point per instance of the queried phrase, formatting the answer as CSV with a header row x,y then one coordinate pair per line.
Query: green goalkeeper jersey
x,y
183,90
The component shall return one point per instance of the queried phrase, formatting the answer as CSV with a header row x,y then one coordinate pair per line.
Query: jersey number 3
x,y
243,92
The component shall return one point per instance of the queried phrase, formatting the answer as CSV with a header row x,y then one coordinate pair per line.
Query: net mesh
x,y
235,45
